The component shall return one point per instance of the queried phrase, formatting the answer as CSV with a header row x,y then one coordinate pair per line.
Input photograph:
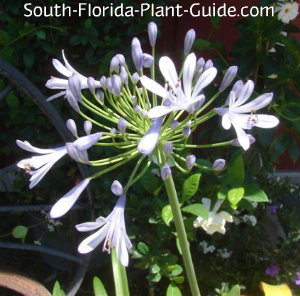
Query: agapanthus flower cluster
x,y
150,123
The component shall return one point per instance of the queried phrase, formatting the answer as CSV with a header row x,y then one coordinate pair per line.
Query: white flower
x,y
112,231
178,98
66,70
287,11
216,221
65,203
224,253
44,162
236,113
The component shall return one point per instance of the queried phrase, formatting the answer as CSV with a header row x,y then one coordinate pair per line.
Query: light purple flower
x,y
272,270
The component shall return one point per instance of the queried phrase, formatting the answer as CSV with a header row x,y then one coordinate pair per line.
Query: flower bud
x,y
74,85
200,65
228,77
208,64
116,188
100,95
174,124
137,53
114,64
91,84
218,164
144,113
189,40
122,124
71,125
147,60
103,81
87,125
135,77
108,84
137,109
113,131
152,32
165,172
116,85
190,161
168,147
121,59
71,100
186,131
134,99
124,75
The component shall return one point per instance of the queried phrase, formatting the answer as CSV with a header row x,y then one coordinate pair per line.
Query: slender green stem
x,y
185,248
120,278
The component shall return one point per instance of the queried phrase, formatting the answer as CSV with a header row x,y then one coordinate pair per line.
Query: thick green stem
x,y
184,244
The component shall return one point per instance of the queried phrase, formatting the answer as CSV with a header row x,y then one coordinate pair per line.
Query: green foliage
x,y
57,291
190,187
20,232
173,290
196,209
98,287
167,215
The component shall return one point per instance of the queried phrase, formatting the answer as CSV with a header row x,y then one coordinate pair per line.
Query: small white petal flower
x,y
178,98
66,70
236,113
112,231
150,139
64,204
287,11
44,162
216,220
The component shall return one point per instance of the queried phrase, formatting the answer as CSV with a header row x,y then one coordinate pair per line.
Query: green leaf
x,y
190,186
167,215
98,286
150,182
28,58
20,232
254,193
177,279
143,248
237,169
173,290
4,38
197,209
235,195
235,291
174,269
222,193
41,34
201,44
12,101
154,277
155,268
178,245
57,291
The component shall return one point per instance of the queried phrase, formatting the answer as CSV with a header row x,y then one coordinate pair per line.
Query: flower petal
x,y
86,142
256,104
61,68
57,83
153,86
159,111
88,226
25,145
266,121
188,74
226,123
242,137
168,70
244,94
59,94
64,204
204,80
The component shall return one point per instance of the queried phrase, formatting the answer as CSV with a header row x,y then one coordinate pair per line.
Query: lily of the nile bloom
x,y
178,98
216,220
64,84
287,11
244,116
43,162
112,231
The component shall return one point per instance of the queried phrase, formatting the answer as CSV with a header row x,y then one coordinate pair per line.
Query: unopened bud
x,y
103,81
124,75
189,40
87,125
134,99
174,124
219,164
116,188
137,53
108,84
200,65
152,32
147,60
190,161
135,77
121,59
91,84
114,64
71,125
113,131
116,85
100,95
228,77
208,64
165,172
186,131
168,147
122,124
71,100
